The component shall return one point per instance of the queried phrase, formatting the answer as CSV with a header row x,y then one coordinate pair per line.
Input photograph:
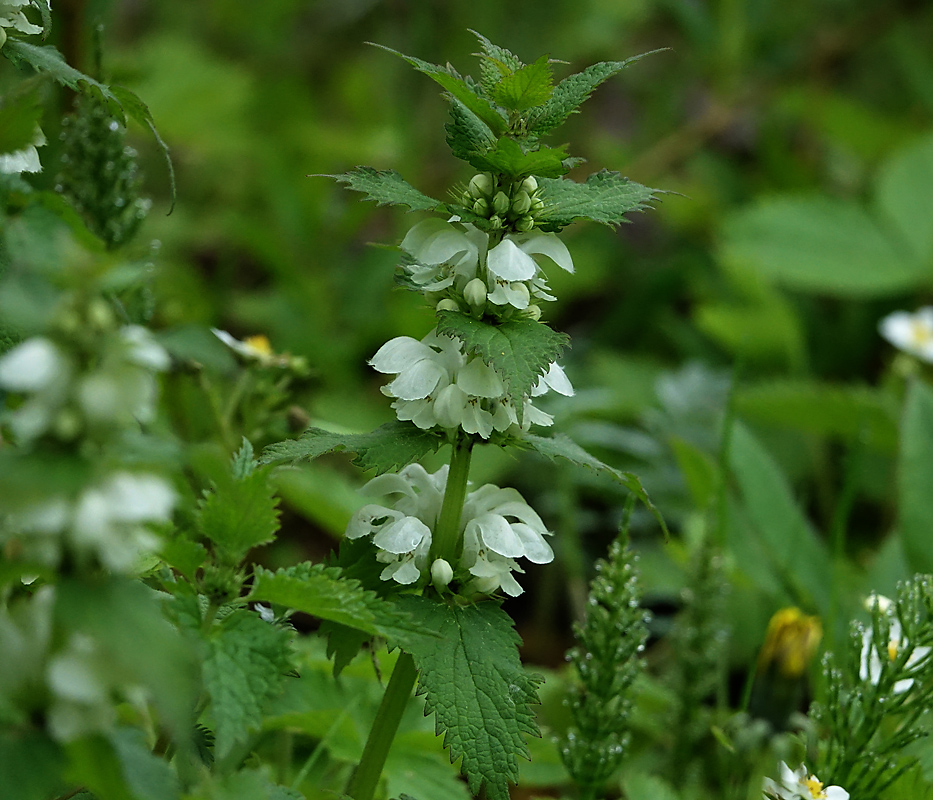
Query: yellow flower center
x,y
892,649
815,787
260,344
920,332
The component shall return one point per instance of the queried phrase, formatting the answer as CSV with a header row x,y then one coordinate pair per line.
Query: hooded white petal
x,y
480,380
508,261
402,536
399,353
548,244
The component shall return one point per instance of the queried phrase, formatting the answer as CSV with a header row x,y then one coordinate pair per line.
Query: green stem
x,y
362,785
446,542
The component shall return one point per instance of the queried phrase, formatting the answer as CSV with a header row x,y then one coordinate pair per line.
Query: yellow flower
x,y
790,642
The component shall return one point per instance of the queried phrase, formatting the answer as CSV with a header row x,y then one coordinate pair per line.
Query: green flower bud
x,y
500,203
534,312
447,305
2,38
475,293
481,207
466,199
521,203
481,185
524,224
529,185
537,204
99,315
496,222
441,574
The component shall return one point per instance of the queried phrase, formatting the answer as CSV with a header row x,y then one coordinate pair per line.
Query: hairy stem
x,y
446,542
362,785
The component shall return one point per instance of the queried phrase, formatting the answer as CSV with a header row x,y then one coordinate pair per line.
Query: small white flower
x,y
12,16
798,784
26,159
912,333
870,663
443,253
253,348
144,350
32,366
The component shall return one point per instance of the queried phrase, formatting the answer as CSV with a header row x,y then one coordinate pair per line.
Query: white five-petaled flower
x,y
870,663
912,333
799,784
498,527
437,385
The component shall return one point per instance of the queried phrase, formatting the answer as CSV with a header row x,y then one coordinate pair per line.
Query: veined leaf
x,y
509,158
525,88
389,447
495,63
119,101
386,188
448,78
560,446
605,197
473,682
467,135
520,350
573,91
915,477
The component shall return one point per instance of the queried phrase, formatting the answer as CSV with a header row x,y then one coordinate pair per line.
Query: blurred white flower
x,y
498,526
253,348
912,333
32,365
798,784
12,16
870,663
437,385
26,159
81,692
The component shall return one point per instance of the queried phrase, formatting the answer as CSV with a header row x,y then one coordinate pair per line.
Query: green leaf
x,y
386,188
473,682
323,592
605,197
792,547
495,63
243,464
389,447
525,88
184,555
119,101
821,245
915,477
509,159
94,765
147,776
560,446
19,116
245,666
641,786
573,91
239,515
467,135
247,784
31,765
905,197
520,350
448,78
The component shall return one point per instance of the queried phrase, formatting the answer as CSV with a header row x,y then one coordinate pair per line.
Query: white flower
x,y
912,333
798,784
253,348
514,276
12,16
497,525
870,663
437,385
443,253
144,350
26,159
32,366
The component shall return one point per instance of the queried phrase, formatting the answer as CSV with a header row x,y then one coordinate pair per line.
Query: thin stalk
x,y
362,785
446,542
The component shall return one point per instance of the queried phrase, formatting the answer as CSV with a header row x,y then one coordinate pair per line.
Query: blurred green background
x,y
794,140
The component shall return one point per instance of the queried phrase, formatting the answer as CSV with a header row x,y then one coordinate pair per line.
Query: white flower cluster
x,y
454,259
109,521
799,784
12,16
63,400
437,385
870,663
497,525
912,333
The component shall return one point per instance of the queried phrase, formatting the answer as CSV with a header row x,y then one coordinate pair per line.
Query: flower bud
x,y
495,222
524,224
475,293
481,208
447,305
529,185
2,38
99,315
480,185
537,204
500,203
521,289
521,203
534,312
441,574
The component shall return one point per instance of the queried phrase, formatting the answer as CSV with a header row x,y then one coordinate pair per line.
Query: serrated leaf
x,y
120,102
525,88
467,135
473,682
343,643
323,592
509,159
560,446
820,244
448,78
605,197
573,91
386,188
495,62
245,666
243,464
247,784
915,477
389,447
239,515
520,350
